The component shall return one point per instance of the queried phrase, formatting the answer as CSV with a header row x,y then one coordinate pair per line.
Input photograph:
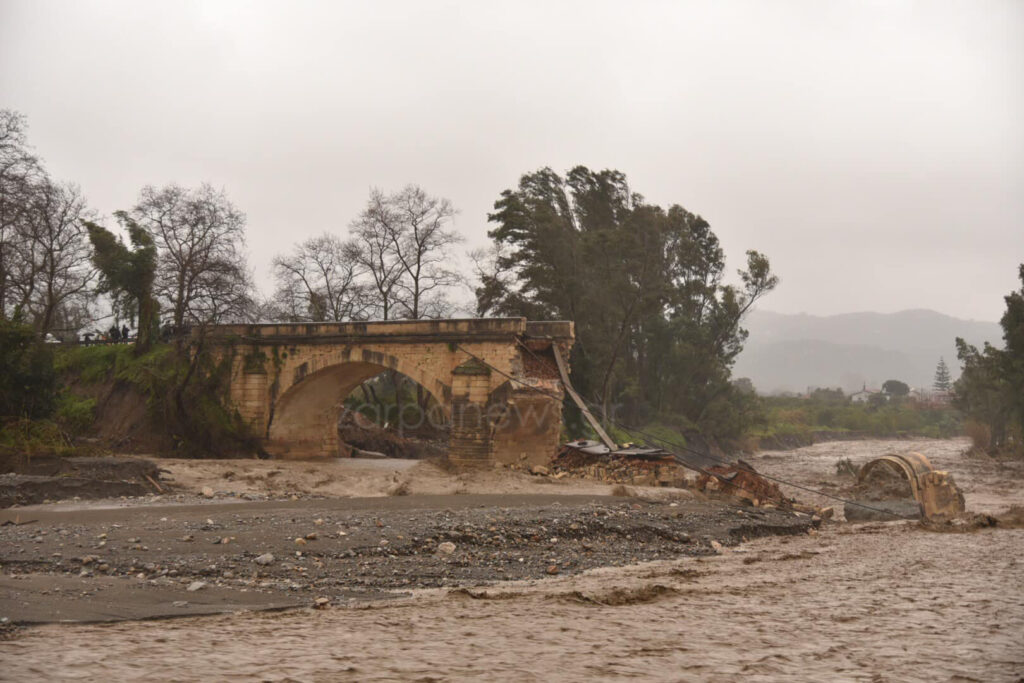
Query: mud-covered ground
x,y
341,549
651,598
135,480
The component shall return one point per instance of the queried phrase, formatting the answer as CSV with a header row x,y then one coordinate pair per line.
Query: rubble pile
x,y
630,465
657,467
540,364
740,481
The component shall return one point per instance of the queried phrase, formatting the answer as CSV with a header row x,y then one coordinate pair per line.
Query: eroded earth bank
x,y
504,576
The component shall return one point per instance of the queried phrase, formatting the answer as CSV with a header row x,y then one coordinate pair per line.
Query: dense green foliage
x,y
27,380
830,411
185,394
75,412
116,362
36,415
895,388
24,439
392,399
128,275
657,329
990,390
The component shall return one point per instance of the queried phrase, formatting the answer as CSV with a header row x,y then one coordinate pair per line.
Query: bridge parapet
x,y
397,331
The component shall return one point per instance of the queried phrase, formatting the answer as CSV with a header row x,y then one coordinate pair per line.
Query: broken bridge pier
x,y
495,380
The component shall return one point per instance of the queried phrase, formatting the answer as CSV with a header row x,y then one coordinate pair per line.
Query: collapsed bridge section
x,y
494,379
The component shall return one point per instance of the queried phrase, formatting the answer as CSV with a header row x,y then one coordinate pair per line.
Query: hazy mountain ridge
x,y
793,352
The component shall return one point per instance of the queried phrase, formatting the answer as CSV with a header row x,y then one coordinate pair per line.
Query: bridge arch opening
x,y
316,415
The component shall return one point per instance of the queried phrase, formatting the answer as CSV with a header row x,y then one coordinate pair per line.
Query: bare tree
x,y
44,254
319,281
406,244
406,249
20,174
373,229
422,242
200,236
58,247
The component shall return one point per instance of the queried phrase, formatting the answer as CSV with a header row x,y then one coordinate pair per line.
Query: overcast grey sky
x,y
874,150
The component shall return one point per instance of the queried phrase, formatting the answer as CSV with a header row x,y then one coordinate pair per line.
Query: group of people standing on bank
x,y
111,336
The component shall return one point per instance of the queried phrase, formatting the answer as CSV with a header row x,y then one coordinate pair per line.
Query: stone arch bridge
x,y
289,380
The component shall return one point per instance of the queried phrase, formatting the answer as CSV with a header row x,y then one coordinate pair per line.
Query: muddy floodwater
x,y
870,602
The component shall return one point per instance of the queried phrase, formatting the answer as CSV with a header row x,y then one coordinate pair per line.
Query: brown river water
x,y
873,602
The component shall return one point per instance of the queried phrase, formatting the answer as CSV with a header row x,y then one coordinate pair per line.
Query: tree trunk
x,y
376,401
179,307
147,311
397,381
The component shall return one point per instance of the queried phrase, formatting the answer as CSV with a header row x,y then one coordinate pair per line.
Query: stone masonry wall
x,y
290,387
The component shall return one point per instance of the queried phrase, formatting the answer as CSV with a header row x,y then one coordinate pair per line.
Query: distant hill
x,y
794,352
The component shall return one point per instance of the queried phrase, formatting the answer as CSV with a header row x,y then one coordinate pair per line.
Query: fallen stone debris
x,y
657,467
740,481
629,465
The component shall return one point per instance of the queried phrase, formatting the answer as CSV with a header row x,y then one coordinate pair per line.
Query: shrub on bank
x,y
185,395
27,379
76,413
788,416
24,439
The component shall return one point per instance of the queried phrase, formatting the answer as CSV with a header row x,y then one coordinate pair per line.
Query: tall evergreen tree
x,y
942,378
657,328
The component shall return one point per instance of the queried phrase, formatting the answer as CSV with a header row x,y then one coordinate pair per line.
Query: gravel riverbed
x,y
532,587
